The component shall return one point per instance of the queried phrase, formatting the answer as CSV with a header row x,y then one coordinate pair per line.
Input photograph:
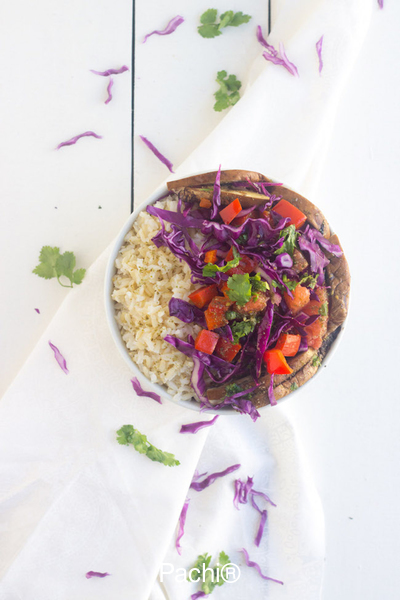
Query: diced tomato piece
x,y
205,203
289,344
215,313
223,287
206,341
276,362
286,209
301,297
314,306
229,212
253,305
246,264
203,295
316,332
211,257
226,349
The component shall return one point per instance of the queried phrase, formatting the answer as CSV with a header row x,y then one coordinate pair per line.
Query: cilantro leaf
x,y
226,18
65,265
129,435
209,31
238,19
289,235
242,328
209,16
239,288
294,386
78,276
257,285
309,280
210,269
228,93
210,577
323,309
53,264
209,27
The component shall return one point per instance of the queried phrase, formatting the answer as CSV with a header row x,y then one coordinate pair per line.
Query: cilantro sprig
x,y
53,264
209,27
242,287
209,270
242,328
210,577
289,235
129,435
228,93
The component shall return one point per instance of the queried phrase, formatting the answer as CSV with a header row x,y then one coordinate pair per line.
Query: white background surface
x,y
348,419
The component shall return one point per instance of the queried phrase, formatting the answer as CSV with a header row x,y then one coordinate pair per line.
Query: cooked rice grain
x,y
146,279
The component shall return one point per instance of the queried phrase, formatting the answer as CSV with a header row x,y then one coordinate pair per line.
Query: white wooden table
x,y
77,198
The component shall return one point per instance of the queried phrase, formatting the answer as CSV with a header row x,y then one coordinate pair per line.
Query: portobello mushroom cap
x,y
337,277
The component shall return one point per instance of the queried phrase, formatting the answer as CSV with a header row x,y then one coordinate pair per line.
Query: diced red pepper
x,y
289,344
215,313
205,203
211,257
223,287
229,256
206,341
286,209
226,349
229,212
203,295
301,297
276,362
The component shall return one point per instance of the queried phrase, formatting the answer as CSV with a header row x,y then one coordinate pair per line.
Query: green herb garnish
x,y
233,388
242,328
239,288
290,235
242,239
231,314
53,264
209,576
309,280
323,309
228,93
129,435
316,361
210,28
209,269
293,386
257,285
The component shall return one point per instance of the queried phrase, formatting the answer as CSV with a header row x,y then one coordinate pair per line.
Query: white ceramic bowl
x,y
115,332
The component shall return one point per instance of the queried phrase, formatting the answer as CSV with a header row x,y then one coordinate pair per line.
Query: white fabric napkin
x,y
71,499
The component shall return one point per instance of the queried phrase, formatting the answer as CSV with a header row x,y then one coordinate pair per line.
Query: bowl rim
x,y
161,191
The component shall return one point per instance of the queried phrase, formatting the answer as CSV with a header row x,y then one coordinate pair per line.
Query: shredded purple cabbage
x,y
59,358
91,574
380,2
195,427
251,563
73,140
181,529
242,490
264,330
271,395
141,392
186,312
170,28
37,310
273,55
262,495
197,380
210,361
109,97
261,526
157,153
318,45
111,71
216,200
201,485
198,595
311,242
